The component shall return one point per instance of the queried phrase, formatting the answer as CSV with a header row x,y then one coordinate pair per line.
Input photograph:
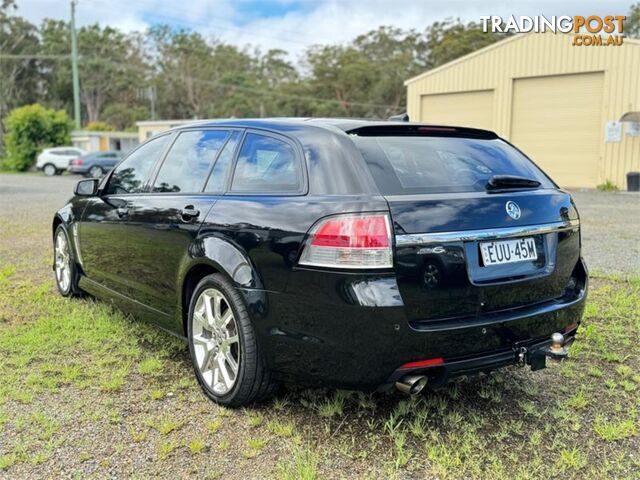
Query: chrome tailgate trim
x,y
484,234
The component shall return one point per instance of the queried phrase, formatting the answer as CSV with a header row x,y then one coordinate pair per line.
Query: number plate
x,y
508,251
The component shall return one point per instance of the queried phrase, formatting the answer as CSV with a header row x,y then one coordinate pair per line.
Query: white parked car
x,y
53,161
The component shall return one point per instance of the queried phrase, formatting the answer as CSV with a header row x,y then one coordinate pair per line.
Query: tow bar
x,y
555,351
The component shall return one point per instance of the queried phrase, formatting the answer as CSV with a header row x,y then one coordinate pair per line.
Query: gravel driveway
x,y
610,231
610,221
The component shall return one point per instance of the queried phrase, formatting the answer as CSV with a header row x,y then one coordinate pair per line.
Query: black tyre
x,y
50,170
222,342
64,266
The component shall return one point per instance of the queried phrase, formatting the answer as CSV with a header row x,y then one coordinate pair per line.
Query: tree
x,y
632,22
341,73
452,39
395,55
110,66
196,78
30,129
124,115
19,75
276,75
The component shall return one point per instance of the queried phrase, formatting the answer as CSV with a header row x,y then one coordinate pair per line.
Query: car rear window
x,y
404,165
266,165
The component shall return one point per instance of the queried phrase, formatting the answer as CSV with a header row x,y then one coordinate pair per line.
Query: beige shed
x,y
561,104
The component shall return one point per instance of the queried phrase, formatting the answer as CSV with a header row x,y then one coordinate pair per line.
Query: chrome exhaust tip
x,y
412,384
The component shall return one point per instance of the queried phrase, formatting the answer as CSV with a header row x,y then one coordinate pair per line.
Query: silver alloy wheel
x,y
95,172
216,343
62,261
49,170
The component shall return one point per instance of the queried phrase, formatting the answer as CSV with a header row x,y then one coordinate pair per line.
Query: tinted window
x,y
221,168
132,173
414,164
266,164
186,166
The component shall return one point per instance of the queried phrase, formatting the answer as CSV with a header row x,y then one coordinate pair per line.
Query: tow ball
x,y
555,351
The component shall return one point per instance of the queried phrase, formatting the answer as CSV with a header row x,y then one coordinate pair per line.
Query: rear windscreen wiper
x,y
502,182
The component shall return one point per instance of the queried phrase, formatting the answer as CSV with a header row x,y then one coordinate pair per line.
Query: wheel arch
x,y
57,221
215,255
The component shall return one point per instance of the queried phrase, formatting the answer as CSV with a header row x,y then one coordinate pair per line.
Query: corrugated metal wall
x,y
534,55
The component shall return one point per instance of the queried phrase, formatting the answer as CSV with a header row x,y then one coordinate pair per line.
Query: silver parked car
x,y
96,164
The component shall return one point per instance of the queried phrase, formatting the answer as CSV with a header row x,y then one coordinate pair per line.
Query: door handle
x,y
189,213
122,211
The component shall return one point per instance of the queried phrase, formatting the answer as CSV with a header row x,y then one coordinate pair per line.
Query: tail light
x,y
77,161
350,241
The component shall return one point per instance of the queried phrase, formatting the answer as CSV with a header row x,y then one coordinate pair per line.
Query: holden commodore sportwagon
x,y
343,253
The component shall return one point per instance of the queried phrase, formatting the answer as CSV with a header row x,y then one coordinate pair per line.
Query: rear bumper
x,y
456,367
80,169
322,333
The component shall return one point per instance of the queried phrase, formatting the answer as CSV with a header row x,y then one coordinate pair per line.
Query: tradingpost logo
x,y
588,31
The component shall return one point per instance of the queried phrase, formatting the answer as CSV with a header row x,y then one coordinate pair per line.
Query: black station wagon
x,y
342,253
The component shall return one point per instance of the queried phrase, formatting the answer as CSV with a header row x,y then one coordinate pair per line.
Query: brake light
x,y
76,161
350,241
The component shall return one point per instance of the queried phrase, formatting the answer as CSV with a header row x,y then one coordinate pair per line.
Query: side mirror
x,y
86,188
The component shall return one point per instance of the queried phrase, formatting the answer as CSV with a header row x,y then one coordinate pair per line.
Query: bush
x,y
31,128
607,186
99,127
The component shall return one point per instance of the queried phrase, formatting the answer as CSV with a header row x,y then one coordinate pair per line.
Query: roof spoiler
x,y
382,130
403,117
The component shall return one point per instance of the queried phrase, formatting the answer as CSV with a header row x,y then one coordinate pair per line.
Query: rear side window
x,y
404,165
132,174
218,177
266,165
187,164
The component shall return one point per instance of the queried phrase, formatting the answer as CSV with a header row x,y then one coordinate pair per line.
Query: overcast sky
x,y
294,24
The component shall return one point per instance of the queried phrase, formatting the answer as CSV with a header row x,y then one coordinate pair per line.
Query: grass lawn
x,y
87,392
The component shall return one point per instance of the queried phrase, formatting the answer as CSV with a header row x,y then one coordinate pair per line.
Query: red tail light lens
x,y
354,232
350,241
76,161
424,363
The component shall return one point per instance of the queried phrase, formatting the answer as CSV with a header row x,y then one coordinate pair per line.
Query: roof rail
x,y
403,117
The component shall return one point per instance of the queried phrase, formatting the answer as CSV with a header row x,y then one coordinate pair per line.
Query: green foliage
x,y
453,39
124,116
632,23
30,129
303,466
98,126
607,186
192,76
19,80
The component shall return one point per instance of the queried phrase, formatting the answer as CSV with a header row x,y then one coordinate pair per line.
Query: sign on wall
x,y
613,132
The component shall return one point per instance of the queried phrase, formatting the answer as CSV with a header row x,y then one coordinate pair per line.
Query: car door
x,y
165,220
263,197
103,228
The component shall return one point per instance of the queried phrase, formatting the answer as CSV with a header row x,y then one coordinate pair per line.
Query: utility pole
x,y
74,67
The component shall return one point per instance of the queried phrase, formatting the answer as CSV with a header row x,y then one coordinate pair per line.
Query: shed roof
x,y
487,49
